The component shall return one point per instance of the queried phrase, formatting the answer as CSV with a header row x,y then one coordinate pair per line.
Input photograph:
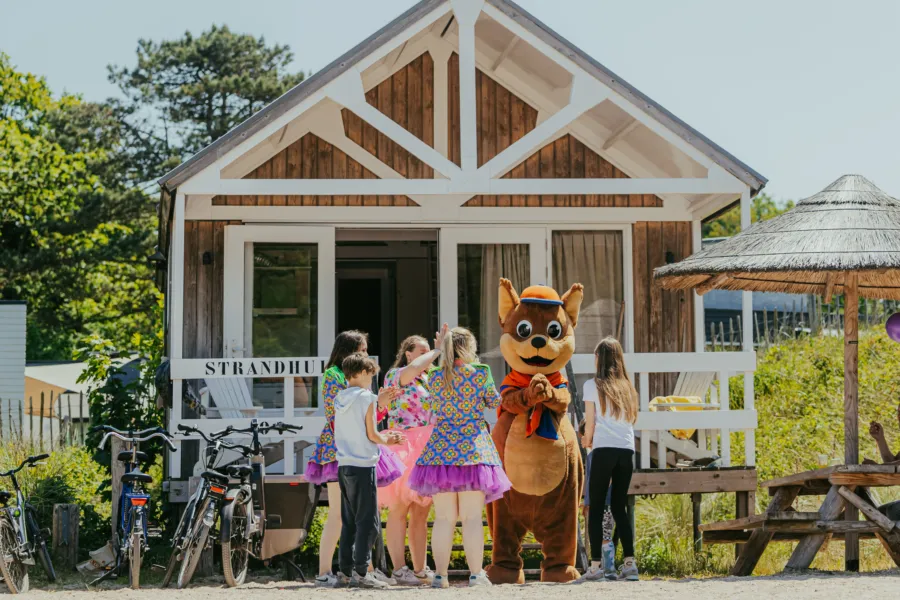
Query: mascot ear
x,y
572,302
508,300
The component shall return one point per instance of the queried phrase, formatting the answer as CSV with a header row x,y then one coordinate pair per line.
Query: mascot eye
x,y
524,329
554,330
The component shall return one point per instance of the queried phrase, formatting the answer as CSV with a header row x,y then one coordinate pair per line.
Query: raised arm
x,y
410,372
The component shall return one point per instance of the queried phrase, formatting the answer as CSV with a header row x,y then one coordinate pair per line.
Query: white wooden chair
x,y
231,397
690,385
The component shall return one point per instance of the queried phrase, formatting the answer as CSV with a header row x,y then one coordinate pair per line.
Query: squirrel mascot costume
x,y
536,440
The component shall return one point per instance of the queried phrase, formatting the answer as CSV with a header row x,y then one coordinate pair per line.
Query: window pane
x,y
285,316
480,267
593,259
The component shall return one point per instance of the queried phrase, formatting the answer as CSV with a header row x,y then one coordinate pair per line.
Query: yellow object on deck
x,y
681,434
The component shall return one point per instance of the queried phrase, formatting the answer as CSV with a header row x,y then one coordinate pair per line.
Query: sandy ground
x,y
820,586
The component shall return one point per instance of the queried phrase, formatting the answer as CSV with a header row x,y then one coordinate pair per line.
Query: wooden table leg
x,y
698,537
889,540
741,509
806,550
761,537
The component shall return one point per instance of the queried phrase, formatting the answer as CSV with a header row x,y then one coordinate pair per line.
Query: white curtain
x,y
511,261
593,259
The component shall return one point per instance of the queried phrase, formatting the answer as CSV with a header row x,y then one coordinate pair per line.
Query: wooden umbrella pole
x,y
851,403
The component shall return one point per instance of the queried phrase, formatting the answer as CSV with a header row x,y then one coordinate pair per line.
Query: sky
x,y
803,91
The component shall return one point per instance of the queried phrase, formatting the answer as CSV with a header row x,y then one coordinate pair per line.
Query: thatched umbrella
x,y
843,240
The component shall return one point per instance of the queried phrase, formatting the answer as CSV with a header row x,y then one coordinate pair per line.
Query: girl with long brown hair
x,y
611,409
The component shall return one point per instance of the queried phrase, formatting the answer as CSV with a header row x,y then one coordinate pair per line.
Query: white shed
x,y
12,363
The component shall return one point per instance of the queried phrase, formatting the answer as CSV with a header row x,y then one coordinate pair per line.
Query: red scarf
x,y
520,381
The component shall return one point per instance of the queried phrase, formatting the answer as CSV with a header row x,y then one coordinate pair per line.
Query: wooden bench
x,y
844,487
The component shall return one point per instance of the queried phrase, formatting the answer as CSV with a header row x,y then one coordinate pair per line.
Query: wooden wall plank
x,y
427,109
204,290
217,289
454,141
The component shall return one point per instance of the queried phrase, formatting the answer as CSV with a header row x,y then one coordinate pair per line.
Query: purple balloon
x,y
893,327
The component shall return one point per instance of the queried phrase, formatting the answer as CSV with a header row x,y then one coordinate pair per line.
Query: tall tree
x,y
184,94
727,224
73,237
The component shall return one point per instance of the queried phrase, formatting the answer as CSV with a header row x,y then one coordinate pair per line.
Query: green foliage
x,y
185,93
70,476
73,241
729,223
114,402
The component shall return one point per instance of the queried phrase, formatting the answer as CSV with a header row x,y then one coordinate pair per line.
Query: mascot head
x,y
538,327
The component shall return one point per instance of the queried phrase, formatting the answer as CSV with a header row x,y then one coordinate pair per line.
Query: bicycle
x,y
132,529
244,518
195,529
20,537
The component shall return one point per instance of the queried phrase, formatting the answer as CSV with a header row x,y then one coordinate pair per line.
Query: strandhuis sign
x,y
208,368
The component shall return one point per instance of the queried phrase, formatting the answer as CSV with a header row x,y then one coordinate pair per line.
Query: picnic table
x,y
845,487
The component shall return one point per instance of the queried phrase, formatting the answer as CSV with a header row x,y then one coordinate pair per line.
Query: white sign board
x,y
211,368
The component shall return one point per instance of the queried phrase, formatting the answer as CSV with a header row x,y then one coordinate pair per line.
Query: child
x,y
610,412
357,440
460,467
322,468
408,414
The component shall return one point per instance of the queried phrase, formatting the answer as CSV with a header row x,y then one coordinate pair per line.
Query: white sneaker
x,y
629,571
479,580
405,576
592,574
440,582
380,576
366,581
327,580
427,574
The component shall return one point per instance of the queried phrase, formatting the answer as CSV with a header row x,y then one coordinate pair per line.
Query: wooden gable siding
x,y
663,320
503,119
311,157
407,98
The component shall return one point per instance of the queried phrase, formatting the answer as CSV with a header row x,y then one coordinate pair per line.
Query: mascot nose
x,y
538,342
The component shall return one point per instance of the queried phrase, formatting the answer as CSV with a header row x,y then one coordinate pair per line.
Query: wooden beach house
x,y
461,142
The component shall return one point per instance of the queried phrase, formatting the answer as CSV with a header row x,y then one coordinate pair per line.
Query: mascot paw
x,y
501,575
559,575
539,390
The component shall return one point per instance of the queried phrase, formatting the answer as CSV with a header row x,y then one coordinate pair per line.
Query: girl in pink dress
x,y
408,414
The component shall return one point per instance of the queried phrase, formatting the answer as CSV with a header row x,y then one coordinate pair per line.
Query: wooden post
x,y
22,422
851,403
41,421
761,537
698,537
81,424
70,420
117,470
31,422
741,510
65,535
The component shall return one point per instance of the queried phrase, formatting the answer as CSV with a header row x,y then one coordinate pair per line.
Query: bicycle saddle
x,y
215,476
125,456
4,497
136,477
240,471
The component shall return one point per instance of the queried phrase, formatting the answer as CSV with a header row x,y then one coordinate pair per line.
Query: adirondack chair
x,y
689,394
231,397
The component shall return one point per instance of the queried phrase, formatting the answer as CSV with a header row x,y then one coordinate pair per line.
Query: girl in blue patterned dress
x,y
322,467
459,467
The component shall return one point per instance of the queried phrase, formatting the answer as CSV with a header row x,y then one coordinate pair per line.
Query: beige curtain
x,y
511,261
593,259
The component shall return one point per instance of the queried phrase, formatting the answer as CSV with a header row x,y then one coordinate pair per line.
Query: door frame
x,y
386,274
238,263
449,238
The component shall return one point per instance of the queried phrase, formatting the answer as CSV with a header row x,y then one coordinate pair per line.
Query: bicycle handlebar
x,y
245,450
158,432
31,461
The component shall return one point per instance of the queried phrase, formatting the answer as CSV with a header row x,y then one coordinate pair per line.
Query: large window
x,y
285,314
479,269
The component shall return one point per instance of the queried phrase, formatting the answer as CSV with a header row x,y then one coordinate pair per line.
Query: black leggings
x,y
610,465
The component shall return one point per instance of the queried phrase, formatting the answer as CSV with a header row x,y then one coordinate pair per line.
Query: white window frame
x,y
450,238
238,287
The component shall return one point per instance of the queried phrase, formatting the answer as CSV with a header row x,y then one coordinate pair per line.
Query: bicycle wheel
x,y
235,545
14,571
178,543
40,544
194,547
134,551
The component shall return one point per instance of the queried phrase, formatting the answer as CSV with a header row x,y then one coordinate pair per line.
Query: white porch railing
x,y
714,426
235,397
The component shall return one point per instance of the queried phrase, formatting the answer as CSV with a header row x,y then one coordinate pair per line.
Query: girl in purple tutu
x,y
322,468
459,467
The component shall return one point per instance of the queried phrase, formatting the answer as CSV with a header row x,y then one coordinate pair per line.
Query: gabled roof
x,y
303,90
